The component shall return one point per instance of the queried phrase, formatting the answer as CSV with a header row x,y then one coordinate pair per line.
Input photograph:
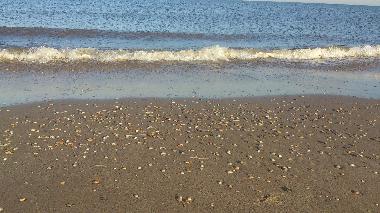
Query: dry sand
x,y
285,154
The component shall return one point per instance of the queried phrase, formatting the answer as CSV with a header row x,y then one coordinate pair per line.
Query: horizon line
x,y
315,2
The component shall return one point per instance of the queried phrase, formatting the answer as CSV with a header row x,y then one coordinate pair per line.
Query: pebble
x,y
184,200
179,198
284,168
355,192
96,181
189,200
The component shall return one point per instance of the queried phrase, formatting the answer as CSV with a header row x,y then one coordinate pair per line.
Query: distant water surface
x,y
184,24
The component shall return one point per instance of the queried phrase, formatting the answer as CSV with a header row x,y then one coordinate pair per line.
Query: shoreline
x,y
348,65
279,153
250,99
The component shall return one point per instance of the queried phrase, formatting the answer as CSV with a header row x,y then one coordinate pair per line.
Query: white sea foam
x,y
215,53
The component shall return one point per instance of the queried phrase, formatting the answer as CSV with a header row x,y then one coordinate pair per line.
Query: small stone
x,y
355,192
179,198
286,189
96,181
284,168
22,199
69,205
189,200
136,195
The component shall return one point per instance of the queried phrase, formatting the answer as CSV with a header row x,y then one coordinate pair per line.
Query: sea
x,y
69,49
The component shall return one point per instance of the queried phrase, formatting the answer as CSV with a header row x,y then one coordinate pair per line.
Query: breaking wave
x,y
208,54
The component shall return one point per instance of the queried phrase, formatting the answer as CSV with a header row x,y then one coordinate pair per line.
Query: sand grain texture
x,y
282,154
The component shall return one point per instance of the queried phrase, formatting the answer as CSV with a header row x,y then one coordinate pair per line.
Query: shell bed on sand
x,y
312,154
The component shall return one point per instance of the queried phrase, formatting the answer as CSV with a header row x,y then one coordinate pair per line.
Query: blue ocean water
x,y
185,48
185,24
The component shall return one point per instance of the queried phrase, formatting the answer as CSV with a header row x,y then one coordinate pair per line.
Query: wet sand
x,y
285,154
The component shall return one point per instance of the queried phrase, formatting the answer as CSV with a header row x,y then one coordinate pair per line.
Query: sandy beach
x,y
283,154
189,106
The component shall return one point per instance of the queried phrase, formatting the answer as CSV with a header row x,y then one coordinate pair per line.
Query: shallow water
x,y
190,82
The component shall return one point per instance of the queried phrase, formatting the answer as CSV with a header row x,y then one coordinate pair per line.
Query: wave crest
x,y
212,54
